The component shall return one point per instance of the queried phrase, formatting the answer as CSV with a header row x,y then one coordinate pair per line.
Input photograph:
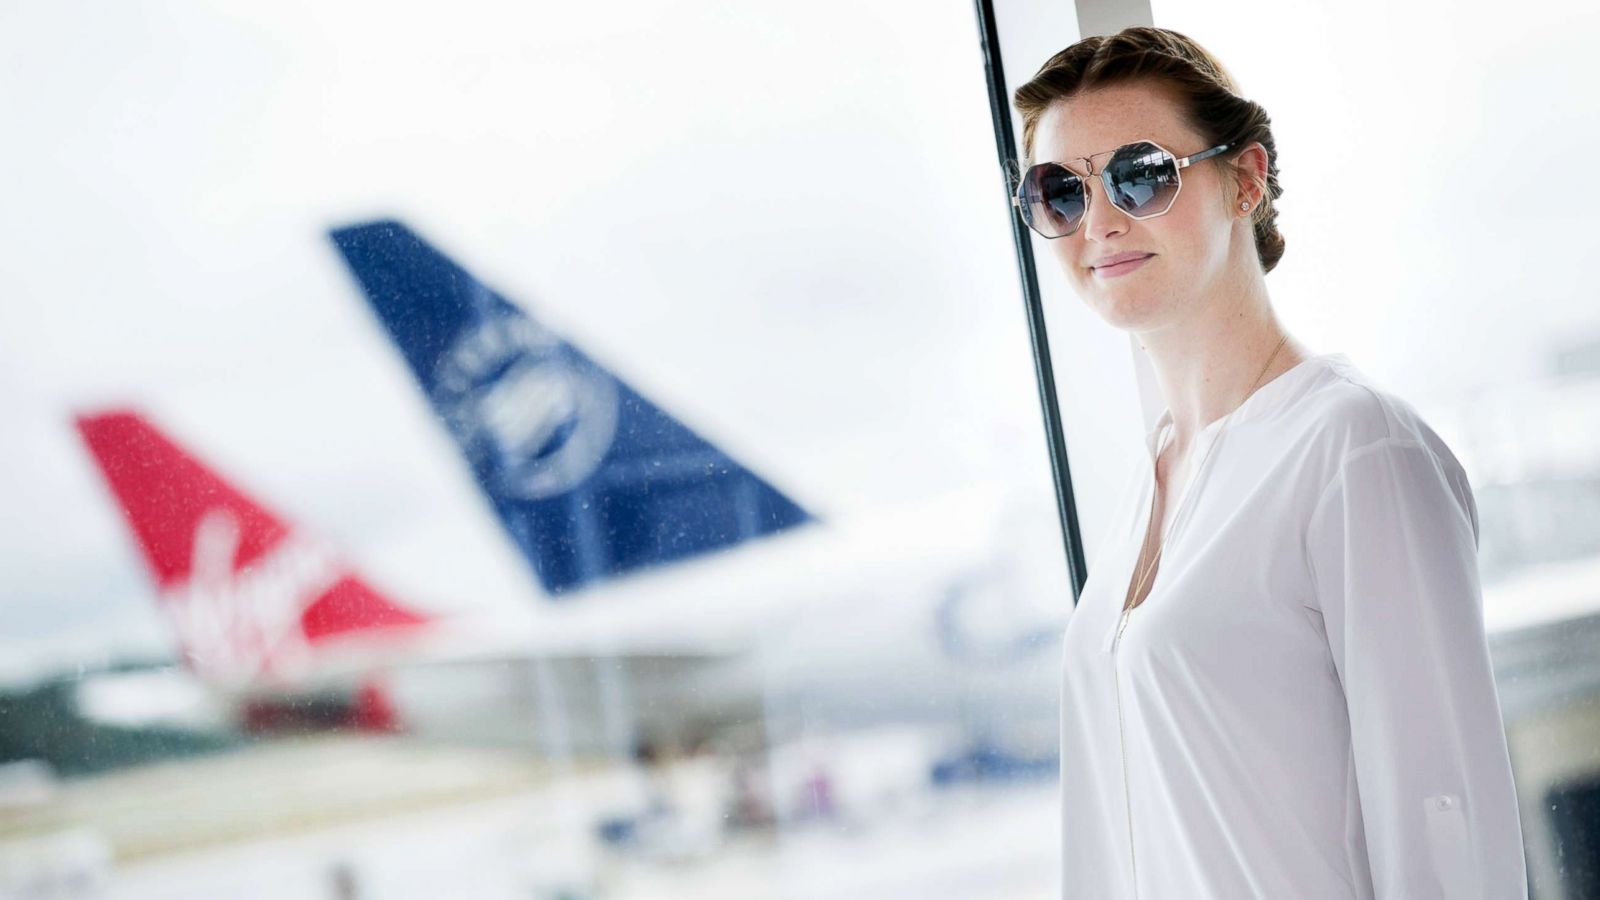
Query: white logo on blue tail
x,y
513,400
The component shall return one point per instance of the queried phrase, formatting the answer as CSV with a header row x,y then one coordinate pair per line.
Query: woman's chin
x,y
1126,310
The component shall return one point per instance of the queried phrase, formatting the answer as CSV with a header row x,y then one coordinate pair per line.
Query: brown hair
x,y
1204,92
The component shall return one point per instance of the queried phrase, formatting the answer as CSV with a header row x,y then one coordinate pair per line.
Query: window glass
x,y
494,450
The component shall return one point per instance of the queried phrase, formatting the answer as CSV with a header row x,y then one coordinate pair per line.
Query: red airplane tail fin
x,y
250,597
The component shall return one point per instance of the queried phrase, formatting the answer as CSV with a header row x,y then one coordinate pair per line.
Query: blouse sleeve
x,y
1392,548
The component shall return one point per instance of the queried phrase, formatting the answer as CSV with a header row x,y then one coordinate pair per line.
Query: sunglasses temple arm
x,y
1188,161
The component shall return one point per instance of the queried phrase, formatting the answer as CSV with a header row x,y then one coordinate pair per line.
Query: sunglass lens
x,y
1052,200
1144,179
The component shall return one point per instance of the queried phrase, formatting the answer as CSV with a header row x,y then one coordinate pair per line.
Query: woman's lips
x,y
1121,268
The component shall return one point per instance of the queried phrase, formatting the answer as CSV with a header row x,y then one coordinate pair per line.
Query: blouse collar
x,y
1266,397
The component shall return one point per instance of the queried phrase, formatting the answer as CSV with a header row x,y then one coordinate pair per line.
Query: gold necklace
x,y
1129,604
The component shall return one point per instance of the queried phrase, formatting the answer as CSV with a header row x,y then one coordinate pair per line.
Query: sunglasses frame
x,y
1180,163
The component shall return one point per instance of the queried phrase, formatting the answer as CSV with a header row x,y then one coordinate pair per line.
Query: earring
x,y
1244,205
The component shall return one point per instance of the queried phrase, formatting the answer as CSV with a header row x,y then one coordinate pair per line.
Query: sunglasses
x,y
1141,179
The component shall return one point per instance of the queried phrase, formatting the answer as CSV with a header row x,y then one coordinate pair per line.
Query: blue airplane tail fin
x,y
591,479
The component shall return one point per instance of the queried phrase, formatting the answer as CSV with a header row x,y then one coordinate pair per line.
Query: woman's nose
x,y
1101,220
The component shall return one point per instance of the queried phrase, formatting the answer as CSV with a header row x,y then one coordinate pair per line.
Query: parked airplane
x,y
682,594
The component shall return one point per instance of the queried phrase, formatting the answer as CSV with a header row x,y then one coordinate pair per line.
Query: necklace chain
x,y
1130,602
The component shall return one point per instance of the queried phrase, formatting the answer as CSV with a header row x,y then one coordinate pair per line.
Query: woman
x,y
1276,682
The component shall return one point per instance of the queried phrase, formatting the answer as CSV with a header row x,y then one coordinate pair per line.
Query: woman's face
x,y
1188,246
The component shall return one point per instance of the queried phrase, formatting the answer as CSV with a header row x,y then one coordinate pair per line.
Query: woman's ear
x,y
1251,164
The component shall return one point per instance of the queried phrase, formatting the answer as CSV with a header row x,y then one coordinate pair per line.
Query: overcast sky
x,y
782,223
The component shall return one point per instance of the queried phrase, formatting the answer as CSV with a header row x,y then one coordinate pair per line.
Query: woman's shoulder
x,y
1349,414
1347,411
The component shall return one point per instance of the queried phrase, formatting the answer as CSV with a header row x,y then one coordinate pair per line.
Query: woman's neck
x,y
1204,380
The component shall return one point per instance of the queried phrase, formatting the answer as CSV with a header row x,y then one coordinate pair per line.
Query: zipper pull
x,y
1115,637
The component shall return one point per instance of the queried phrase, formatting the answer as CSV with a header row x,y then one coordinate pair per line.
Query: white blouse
x,y
1302,707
